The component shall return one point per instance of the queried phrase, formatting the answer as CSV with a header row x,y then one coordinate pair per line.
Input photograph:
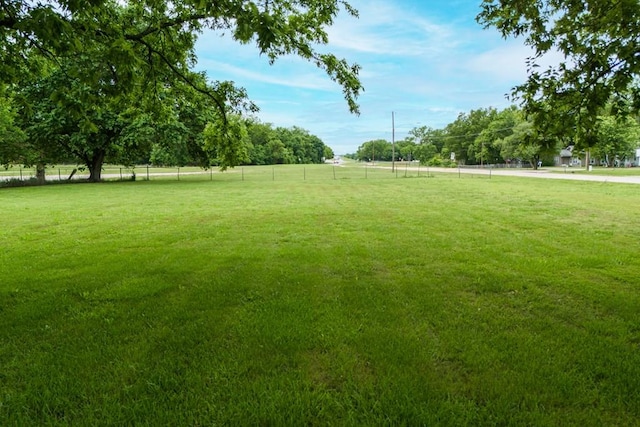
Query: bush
x,y
435,161
438,161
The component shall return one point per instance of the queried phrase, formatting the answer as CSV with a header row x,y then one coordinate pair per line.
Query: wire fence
x,y
64,173
325,172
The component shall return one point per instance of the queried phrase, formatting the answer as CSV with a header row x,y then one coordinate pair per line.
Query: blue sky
x,y
427,61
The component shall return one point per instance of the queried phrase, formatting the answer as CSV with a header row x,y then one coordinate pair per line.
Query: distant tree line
x,y
268,145
256,143
491,136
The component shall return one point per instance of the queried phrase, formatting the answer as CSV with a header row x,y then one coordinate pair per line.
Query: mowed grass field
x,y
301,301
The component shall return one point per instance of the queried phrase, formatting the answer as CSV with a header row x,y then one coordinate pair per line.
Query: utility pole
x,y
393,142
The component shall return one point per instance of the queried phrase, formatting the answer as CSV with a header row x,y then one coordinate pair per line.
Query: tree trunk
x,y
588,160
95,166
40,173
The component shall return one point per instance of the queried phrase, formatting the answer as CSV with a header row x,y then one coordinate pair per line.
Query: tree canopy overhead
x,y
144,41
600,42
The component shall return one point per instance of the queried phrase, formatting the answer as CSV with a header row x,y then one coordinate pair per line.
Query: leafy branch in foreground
x,y
599,41
153,34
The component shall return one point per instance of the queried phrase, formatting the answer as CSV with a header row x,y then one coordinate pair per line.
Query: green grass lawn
x,y
288,296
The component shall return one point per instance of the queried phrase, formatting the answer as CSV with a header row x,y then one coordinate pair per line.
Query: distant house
x,y
570,157
566,157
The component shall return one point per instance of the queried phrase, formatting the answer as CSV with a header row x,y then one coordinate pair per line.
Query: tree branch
x,y
167,24
188,81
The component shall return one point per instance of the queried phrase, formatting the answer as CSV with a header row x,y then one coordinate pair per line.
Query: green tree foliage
x,y
328,153
429,145
486,147
485,136
269,145
117,127
227,144
12,137
509,136
164,126
376,150
114,87
461,134
599,42
304,147
182,114
46,132
144,41
425,152
405,150
278,153
425,135
519,145
259,135
617,138
525,145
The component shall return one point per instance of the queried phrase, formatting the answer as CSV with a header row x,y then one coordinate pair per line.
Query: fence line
x,y
246,173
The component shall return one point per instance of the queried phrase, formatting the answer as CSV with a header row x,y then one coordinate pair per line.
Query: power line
x,y
464,136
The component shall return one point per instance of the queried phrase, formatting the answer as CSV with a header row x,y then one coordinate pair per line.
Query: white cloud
x,y
306,80
506,62
383,28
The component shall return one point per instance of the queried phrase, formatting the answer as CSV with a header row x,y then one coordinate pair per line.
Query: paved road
x,y
529,173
